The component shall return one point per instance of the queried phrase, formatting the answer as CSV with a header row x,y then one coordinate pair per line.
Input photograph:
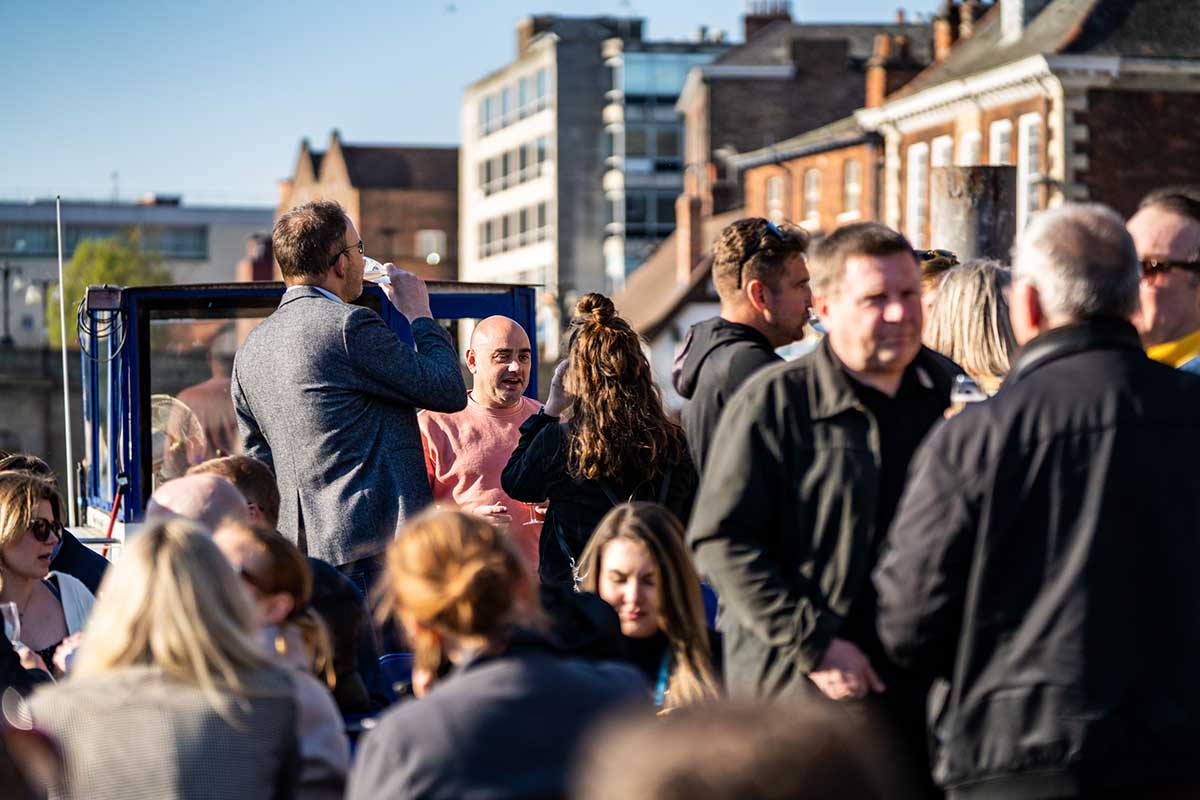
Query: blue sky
x,y
210,98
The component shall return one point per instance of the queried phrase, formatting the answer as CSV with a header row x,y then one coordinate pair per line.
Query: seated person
x,y
52,606
510,711
638,563
70,555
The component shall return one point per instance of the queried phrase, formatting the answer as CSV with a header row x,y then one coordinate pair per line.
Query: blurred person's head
x,y
934,266
26,462
173,601
316,244
1072,264
1166,233
614,390
780,750
29,524
207,498
867,290
636,560
253,479
499,358
760,274
280,583
456,584
969,322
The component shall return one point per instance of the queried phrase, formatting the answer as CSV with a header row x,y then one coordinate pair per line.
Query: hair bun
x,y
596,306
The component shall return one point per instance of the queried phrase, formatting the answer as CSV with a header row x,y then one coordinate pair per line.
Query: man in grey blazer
x,y
327,395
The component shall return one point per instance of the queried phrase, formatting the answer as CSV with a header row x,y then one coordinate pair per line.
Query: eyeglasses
x,y
361,251
771,229
930,255
1152,266
42,528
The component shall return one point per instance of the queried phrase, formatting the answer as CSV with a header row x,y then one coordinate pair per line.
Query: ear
x,y
757,293
471,361
339,267
1025,312
820,304
277,607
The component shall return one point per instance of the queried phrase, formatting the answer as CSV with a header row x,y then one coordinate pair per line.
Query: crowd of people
x,y
920,592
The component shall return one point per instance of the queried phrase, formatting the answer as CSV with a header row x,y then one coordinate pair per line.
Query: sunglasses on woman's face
x,y
42,528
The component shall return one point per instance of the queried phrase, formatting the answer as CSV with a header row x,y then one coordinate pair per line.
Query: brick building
x,y
403,200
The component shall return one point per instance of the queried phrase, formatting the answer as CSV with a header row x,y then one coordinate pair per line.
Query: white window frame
x,y
1000,131
431,245
1029,170
970,149
916,207
851,189
941,152
812,196
776,189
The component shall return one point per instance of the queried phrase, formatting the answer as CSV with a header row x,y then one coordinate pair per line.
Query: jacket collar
x,y
830,392
295,293
1096,334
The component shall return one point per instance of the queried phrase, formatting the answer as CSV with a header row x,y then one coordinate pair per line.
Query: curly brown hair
x,y
757,250
619,430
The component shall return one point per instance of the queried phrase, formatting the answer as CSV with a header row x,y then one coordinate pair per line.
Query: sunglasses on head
x,y
770,228
1152,266
42,528
930,255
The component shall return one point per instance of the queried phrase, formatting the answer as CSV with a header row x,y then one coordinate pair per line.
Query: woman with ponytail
x,y
506,716
602,439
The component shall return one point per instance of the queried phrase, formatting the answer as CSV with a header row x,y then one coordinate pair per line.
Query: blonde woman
x,y
506,715
969,321
171,694
637,562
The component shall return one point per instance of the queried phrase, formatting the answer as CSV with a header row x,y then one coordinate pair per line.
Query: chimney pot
x,y
900,16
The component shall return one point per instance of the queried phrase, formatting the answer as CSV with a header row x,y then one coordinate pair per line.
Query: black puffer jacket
x,y
1042,566
717,358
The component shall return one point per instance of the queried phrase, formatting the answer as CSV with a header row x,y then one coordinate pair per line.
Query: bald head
x,y
207,499
500,359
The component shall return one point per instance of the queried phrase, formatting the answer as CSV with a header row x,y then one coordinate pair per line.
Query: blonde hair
x,y
172,601
681,605
20,493
455,573
969,320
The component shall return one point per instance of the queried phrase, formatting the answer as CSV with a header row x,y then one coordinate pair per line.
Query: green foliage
x,y
118,262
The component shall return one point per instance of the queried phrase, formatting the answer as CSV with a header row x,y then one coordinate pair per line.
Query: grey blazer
x,y
327,395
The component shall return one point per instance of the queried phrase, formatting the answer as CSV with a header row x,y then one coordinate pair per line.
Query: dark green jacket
x,y
784,525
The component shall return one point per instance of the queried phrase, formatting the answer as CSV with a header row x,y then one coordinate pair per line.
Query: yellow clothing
x,y
1178,352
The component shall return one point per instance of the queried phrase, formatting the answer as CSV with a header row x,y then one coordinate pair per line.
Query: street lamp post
x,y
8,270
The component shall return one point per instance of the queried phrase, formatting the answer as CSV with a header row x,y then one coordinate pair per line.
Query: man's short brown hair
x,y
827,263
1181,200
755,249
249,476
306,240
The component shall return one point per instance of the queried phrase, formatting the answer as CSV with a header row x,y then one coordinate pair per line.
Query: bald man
x,y
466,451
208,499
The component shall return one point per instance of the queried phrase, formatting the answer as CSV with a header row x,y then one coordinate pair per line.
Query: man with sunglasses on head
x,y
1166,232
761,276
327,394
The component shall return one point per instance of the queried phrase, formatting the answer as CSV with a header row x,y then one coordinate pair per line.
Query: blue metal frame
x,y
127,432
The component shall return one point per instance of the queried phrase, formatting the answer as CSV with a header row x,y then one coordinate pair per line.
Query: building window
x,y
941,152
431,246
543,88
970,149
917,207
543,229
1029,167
1000,143
852,187
812,196
636,144
775,192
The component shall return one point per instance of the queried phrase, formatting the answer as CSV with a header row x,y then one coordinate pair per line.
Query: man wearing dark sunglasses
x,y
760,274
1166,232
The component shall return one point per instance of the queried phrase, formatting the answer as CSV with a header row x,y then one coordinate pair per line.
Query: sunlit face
x,y
500,359
27,557
245,557
1170,300
629,582
874,315
787,306
354,264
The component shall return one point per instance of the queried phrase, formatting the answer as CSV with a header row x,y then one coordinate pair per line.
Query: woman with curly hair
x,y
602,439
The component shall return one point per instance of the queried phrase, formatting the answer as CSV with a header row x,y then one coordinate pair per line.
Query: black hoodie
x,y
717,358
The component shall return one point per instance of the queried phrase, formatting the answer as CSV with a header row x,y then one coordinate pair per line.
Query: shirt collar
x,y
325,292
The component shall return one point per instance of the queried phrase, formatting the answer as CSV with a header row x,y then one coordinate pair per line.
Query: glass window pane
x,y
636,144
666,143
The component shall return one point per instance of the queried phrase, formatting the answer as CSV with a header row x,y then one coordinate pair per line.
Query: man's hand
x,y
408,293
844,672
65,654
496,514
559,399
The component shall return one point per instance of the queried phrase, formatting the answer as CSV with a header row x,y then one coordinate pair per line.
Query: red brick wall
x,y
831,207
1138,141
390,219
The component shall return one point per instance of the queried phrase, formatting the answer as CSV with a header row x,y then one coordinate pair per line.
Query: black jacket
x,y
717,358
497,727
537,471
784,525
79,561
1043,566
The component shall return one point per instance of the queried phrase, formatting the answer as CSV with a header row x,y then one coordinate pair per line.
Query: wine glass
x,y
12,622
375,272
536,509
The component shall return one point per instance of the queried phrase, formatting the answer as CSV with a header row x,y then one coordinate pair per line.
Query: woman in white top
x,y
51,606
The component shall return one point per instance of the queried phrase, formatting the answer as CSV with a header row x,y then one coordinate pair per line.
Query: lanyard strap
x,y
664,678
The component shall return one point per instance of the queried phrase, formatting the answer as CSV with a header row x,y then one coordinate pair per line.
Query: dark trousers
x,y
367,574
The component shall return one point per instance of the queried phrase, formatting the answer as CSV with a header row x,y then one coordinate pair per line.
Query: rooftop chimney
x,y
1015,16
968,12
944,30
689,237
900,17
761,13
